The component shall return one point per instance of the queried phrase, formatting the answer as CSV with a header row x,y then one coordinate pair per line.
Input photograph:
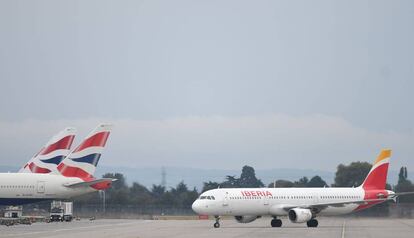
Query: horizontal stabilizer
x,y
89,183
394,195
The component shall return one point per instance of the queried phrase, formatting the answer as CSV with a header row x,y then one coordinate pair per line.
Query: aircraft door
x,y
41,187
315,198
226,199
266,200
226,206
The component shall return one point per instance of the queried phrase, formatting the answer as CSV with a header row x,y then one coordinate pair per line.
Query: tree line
x,y
181,196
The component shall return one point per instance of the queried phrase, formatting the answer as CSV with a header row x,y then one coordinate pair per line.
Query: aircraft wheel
x,y
312,223
216,225
276,222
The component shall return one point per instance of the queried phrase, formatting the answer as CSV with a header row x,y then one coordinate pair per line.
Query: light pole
x,y
102,192
104,201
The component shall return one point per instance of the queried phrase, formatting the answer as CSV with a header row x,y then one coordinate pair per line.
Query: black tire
x,y
312,223
216,225
276,223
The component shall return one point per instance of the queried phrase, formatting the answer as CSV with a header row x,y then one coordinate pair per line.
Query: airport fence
x,y
129,211
396,210
401,210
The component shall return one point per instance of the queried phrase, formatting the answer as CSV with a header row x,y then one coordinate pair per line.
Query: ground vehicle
x,y
61,211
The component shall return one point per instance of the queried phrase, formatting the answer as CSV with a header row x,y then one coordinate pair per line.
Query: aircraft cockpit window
x,y
207,197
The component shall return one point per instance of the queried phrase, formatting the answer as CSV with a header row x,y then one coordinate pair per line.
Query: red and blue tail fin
x,y
377,176
55,150
82,161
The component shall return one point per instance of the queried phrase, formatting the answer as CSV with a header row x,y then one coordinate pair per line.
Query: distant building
x,y
13,211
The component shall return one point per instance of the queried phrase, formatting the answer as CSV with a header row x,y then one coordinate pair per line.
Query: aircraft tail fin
x,y
377,176
82,161
51,154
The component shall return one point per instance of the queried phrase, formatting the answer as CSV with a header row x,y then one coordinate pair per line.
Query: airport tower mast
x,y
163,177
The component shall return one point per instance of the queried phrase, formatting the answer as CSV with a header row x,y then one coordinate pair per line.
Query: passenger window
x,y
213,198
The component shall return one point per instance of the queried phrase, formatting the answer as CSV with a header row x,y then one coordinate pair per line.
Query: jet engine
x,y
299,215
245,219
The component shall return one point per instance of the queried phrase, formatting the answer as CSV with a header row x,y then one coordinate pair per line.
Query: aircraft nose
x,y
196,206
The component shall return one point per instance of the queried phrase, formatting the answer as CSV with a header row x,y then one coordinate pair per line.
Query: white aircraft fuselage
x,y
278,201
23,188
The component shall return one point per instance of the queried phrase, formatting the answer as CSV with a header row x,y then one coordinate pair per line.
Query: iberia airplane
x,y
70,177
298,204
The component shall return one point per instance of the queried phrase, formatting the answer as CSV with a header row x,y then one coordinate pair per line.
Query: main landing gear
x,y
312,223
276,222
217,223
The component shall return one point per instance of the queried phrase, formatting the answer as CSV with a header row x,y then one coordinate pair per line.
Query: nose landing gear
x,y
217,223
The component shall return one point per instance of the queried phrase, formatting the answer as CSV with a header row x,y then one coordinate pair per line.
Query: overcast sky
x,y
211,84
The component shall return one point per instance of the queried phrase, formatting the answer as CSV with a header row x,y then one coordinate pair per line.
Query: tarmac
x,y
119,228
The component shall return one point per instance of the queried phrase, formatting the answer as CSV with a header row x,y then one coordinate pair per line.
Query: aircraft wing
x,y
317,207
89,183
